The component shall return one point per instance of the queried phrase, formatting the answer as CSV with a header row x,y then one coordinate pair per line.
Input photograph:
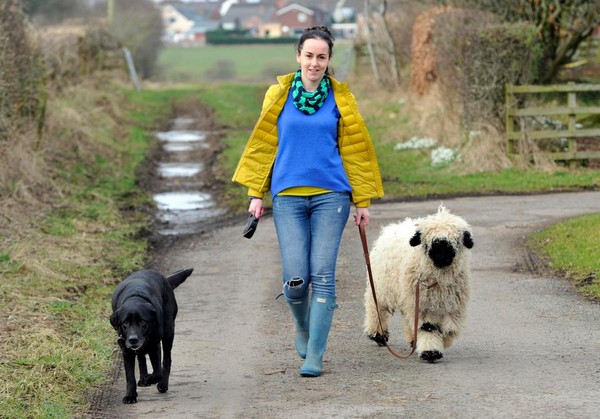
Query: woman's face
x,y
313,59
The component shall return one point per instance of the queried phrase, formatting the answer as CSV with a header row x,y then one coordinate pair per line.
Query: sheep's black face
x,y
441,253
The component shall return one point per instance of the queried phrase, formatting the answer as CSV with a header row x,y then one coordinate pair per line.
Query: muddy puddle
x,y
184,203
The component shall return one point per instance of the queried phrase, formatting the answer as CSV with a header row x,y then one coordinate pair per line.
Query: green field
x,y
237,63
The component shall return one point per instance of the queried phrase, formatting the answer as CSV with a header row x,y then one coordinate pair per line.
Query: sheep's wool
x,y
433,253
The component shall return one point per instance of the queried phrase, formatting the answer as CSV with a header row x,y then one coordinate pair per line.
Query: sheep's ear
x,y
468,240
416,239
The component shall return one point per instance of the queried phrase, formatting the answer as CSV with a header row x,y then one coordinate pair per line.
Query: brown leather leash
x,y
363,238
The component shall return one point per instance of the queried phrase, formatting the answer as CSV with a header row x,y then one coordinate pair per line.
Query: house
x,y
255,17
342,15
272,18
187,24
295,17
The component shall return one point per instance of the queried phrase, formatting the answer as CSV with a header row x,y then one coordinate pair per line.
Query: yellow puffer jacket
x,y
354,142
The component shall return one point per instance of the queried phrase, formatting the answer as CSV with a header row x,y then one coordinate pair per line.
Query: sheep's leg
x,y
409,328
372,329
451,327
430,343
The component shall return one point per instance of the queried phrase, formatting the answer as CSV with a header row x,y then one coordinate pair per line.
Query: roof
x,y
201,18
196,11
246,11
295,6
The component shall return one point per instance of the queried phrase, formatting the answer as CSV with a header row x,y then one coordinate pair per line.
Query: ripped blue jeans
x,y
309,231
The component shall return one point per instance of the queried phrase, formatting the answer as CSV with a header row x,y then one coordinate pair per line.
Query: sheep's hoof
x,y
380,339
431,356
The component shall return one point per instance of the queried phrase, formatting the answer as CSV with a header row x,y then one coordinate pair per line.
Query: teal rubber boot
x,y
321,316
300,310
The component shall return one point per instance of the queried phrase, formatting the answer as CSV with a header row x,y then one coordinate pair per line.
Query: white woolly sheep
x,y
431,252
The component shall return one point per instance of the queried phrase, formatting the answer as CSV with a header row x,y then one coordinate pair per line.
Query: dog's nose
x,y
133,340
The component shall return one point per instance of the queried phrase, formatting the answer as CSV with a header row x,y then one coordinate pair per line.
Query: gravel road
x,y
529,349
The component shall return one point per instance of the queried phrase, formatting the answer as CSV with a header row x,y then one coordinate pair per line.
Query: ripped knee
x,y
295,289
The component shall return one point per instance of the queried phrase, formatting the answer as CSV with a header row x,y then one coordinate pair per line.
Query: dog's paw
x,y
149,380
162,388
431,356
143,382
130,399
380,339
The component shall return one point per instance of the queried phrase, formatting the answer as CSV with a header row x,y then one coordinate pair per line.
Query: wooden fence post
x,y
568,111
510,121
572,121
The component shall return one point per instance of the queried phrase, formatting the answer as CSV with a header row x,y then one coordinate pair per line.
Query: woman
x,y
311,149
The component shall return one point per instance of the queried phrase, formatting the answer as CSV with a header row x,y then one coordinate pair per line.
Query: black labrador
x,y
144,311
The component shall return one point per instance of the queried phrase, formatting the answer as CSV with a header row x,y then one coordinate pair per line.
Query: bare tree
x,y
369,40
380,43
138,25
562,25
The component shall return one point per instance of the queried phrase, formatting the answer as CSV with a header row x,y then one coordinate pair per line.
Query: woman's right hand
x,y
256,207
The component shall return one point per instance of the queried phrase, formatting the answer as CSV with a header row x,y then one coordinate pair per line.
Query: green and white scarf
x,y
309,102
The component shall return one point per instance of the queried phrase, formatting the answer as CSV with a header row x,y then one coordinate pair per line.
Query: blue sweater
x,y
307,153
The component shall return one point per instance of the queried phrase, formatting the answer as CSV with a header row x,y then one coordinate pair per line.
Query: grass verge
x,y
572,249
59,269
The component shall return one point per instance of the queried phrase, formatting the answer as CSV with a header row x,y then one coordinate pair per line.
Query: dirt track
x,y
529,350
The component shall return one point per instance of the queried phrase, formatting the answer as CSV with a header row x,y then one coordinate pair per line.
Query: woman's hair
x,y
317,32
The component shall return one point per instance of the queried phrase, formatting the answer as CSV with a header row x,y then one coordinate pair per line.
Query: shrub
x,y
492,57
221,70
73,52
462,59
479,55
53,11
22,87
138,26
224,37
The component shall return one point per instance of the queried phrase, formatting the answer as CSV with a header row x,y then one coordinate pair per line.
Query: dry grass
x,y
485,141
22,177
437,114
66,236
397,115
64,244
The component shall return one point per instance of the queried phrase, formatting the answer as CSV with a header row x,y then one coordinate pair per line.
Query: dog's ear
x,y
157,322
468,240
416,239
114,320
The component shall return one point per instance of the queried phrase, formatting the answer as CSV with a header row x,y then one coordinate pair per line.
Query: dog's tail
x,y
178,277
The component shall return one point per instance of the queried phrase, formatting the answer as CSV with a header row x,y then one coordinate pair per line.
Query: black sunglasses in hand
x,y
250,227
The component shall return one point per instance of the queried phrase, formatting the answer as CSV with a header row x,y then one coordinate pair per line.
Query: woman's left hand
x,y
362,216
